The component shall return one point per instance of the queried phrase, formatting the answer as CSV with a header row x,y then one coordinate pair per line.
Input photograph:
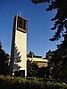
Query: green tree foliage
x,y
60,25
32,69
39,1
60,59
60,19
4,59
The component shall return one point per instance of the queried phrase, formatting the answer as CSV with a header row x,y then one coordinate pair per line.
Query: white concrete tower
x,y
19,47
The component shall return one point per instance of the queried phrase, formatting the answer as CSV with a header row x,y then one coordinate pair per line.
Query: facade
x,y
19,47
41,62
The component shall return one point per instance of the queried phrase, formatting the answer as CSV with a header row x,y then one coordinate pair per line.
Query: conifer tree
x,y
60,19
60,25
4,59
59,71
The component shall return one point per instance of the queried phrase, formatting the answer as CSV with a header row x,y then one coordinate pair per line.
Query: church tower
x,y
19,47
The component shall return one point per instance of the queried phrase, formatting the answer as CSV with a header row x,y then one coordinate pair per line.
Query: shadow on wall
x,y
17,60
15,67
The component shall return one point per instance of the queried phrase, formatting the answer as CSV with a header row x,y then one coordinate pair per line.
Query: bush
x,y
12,82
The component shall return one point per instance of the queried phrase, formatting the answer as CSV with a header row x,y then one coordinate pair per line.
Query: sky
x,y
39,24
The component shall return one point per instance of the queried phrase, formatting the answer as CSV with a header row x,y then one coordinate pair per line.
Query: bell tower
x,y
19,47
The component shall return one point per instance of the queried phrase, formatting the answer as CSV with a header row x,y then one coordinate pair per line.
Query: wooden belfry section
x,y
18,50
22,24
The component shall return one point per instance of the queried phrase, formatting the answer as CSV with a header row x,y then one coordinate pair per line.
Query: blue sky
x,y
39,24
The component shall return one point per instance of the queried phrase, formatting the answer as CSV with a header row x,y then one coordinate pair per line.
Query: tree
x,y
60,25
32,69
4,59
60,60
60,19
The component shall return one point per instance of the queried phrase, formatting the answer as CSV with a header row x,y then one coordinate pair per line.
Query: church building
x,y
19,56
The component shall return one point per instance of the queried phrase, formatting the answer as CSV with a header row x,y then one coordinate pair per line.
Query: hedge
x,y
12,82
